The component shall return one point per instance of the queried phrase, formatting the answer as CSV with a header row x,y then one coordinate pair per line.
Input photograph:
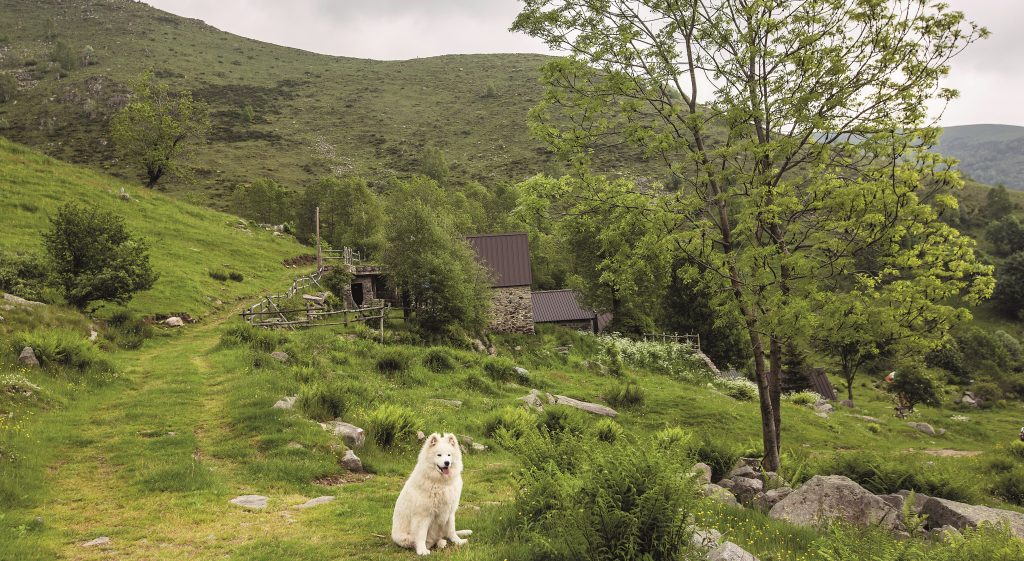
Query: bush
x,y
256,338
389,425
1016,449
613,357
478,383
805,398
560,420
438,360
874,428
1010,486
914,386
322,401
511,422
236,276
629,394
607,430
881,475
63,349
738,388
24,275
987,392
718,455
501,369
127,331
673,438
218,275
392,363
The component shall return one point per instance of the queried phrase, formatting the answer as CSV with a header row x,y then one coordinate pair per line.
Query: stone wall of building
x,y
511,310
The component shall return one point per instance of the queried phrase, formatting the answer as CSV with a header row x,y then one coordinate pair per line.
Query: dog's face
x,y
442,454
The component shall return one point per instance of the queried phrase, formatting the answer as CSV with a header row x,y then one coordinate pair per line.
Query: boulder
x,y
968,401
280,356
750,462
773,480
727,484
897,500
102,540
848,403
705,538
586,406
866,418
729,551
174,321
286,402
745,471
316,502
351,462
478,346
250,501
720,494
746,489
533,400
521,372
17,301
702,471
28,358
765,501
924,428
835,497
353,435
943,512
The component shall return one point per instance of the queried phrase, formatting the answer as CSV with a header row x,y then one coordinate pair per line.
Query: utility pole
x,y
319,254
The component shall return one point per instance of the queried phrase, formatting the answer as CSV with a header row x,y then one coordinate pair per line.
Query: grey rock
x,y
919,500
280,356
866,418
316,502
943,533
353,435
765,501
533,400
174,322
943,512
727,484
968,401
754,463
93,334
729,551
773,480
586,406
17,301
745,471
477,447
521,372
478,346
848,403
250,501
705,538
286,402
720,494
746,489
102,540
352,462
703,471
835,497
28,358
923,427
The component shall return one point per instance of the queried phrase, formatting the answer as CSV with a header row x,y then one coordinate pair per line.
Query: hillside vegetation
x,y
992,154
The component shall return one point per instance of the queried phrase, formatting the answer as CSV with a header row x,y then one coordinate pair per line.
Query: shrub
x,y
629,394
257,339
478,383
987,392
874,428
24,275
880,475
672,438
1009,486
738,388
607,430
1016,449
63,349
501,369
127,331
561,420
322,401
913,386
613,357
388,425
218,275
511,422
438,360
718,455
805,398
236,276
392,363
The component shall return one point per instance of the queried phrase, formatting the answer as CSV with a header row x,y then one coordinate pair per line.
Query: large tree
x,y
798,132
95,257
156,126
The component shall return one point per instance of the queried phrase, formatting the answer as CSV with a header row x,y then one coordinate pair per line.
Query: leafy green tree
x,y
156,127
1007,234
95,257
264,201
88,55
446,290
351,214
913,386
64,58
434,164
1010,286
998,203
798,131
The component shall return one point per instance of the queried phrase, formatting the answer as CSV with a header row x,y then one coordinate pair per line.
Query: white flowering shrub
x,y
675,359
737,388
806,397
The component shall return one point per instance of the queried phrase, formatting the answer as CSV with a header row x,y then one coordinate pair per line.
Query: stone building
x,y
507,256
561,307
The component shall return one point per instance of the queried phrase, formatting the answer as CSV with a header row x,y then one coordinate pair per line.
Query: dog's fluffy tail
x,y
463,533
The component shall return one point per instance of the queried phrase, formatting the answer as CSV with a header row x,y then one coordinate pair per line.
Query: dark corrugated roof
x,y
558,305
506,255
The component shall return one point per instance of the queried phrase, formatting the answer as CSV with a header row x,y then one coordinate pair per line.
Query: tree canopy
x,y
798,133
156,126
95,257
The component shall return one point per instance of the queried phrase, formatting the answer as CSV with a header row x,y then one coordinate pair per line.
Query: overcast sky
x,y
990,75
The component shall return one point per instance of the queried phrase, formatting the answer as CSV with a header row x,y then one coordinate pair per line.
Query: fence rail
x,y
692,339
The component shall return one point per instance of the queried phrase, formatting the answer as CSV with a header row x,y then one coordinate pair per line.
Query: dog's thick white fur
x,y
425,511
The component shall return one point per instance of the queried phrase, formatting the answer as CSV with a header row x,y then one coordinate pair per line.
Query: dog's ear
x,y
451,440
432,441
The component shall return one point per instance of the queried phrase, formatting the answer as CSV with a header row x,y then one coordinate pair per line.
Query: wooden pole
x,y
319,254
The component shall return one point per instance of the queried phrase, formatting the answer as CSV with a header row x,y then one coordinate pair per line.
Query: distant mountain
x,y
990,154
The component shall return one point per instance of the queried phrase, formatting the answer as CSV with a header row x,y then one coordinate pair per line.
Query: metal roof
x,y
506,255
558,305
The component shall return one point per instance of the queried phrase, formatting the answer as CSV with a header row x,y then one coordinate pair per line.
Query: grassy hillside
x,y
990,154
186,241
311,114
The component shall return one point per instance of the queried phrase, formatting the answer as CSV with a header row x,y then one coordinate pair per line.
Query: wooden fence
x,y
692,339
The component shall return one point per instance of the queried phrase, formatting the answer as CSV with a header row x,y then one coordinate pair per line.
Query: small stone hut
x,y
507,256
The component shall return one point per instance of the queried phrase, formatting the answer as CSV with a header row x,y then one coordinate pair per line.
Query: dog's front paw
x,y
423,551
458,541
442,543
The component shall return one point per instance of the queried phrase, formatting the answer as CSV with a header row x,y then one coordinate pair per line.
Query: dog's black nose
x,y
446,463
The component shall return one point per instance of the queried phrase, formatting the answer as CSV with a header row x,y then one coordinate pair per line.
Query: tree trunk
x,y
769,435
775,389
154,176
849,375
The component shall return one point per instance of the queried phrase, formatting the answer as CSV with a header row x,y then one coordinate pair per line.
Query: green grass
x,y
185,240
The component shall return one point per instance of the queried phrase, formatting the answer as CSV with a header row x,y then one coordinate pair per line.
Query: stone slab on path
x,y
102,540
250,501
316,502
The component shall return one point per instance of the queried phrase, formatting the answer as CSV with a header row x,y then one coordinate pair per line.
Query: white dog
x,y
425,510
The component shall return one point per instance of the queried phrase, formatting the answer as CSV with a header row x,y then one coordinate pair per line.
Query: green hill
x,y
311,114
186,241
991,154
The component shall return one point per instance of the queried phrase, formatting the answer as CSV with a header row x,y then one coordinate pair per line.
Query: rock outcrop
x,y
594,408
28,358
836,497
943,512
